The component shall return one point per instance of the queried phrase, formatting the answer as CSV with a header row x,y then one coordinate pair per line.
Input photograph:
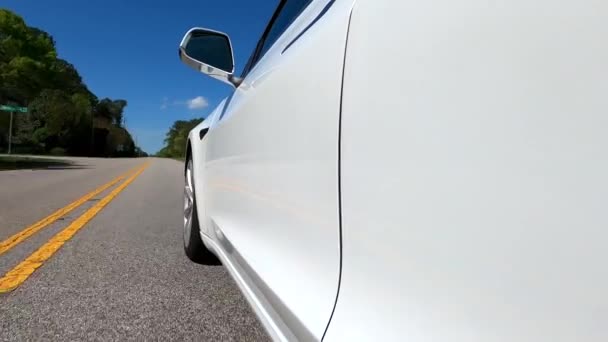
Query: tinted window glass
x,y
211,49
289,12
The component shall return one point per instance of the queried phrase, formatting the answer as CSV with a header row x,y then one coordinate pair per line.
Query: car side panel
x,y
198,155
272,175
474,172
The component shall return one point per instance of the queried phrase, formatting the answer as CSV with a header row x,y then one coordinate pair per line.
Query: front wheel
x,y
193,245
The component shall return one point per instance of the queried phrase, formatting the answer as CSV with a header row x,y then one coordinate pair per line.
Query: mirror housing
x,y
209,52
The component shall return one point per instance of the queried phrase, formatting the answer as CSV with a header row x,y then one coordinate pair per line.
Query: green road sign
x,y
7,108
11,109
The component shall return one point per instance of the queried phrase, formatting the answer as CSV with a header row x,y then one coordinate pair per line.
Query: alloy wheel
x,y
188,203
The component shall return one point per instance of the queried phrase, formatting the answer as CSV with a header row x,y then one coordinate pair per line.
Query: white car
x,y
395,170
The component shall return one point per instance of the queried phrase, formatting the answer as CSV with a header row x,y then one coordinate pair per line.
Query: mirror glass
x,y
210,48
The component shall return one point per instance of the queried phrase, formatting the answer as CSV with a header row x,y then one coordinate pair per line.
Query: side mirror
x,y
209,52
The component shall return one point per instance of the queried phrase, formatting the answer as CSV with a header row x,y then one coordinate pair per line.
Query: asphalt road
x,y
123,275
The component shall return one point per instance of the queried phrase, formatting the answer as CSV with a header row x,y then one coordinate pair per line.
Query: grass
x,y
18,163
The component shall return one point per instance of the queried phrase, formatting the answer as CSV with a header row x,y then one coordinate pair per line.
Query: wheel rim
x,y
188,203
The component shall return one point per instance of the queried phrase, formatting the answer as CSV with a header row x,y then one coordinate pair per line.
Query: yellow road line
x,y
34,228
21,272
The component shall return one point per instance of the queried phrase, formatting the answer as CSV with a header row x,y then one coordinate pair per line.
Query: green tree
x,y
111,110
176,138
26,54
63,112
58,115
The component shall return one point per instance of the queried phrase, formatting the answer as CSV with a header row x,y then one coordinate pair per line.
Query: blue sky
x,y
128,49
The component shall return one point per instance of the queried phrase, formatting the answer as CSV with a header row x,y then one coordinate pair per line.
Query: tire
x,y
193,245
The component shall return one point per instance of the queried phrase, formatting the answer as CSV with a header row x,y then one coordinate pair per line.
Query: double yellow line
x,y
21,272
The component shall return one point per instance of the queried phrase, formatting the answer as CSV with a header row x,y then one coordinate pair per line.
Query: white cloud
x,y
198,102
165,103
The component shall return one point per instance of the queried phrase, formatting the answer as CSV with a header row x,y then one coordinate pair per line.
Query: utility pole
x,y
92,145
10,133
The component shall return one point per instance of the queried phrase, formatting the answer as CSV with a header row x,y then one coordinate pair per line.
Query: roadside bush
x,y
57,151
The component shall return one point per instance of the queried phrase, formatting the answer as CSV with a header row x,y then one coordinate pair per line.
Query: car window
x,y
289,12
286,13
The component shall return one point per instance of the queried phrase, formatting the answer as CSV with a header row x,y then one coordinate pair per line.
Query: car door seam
x,y
340,219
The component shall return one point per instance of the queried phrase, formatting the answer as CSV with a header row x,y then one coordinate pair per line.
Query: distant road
x,y
118,271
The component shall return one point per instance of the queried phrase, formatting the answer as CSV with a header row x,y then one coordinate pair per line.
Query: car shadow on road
x,y
68,167
30,163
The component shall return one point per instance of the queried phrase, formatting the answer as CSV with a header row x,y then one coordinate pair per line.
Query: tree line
x,y
64,116
176,139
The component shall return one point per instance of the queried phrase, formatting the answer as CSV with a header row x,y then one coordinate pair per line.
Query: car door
x,y
272,167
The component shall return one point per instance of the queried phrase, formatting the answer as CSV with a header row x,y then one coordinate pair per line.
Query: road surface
x,y
120,273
